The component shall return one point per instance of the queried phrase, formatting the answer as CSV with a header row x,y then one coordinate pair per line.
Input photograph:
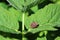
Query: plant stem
x,y
23,22
23,26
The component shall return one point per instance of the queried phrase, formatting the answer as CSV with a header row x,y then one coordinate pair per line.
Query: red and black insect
x,y
34,25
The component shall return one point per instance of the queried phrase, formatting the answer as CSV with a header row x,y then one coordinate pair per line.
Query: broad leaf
x,y
6,38
16,13
23,4
47,18
8,22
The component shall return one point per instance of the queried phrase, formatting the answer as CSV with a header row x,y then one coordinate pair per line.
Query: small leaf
x,y
43,38
45,32
58,38
41,33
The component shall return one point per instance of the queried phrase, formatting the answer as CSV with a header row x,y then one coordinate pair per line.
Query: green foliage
x,y
16,13
3,5
44,38
58,38
23,4
3,38
46,20
29,20
8,24
55,0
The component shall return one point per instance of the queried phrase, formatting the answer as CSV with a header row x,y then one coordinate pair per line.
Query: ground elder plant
x,y
29,19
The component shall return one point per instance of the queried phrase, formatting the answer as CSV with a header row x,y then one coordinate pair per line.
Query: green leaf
x,y
43,38
58,2
58,38
16,13
8,22
55,0
6,38
35,8
23,4
45,32
47,18
16,3
3,5
41,33
24,38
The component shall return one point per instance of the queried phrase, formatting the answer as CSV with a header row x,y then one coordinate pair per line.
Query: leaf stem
x,y
23,26
23,22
